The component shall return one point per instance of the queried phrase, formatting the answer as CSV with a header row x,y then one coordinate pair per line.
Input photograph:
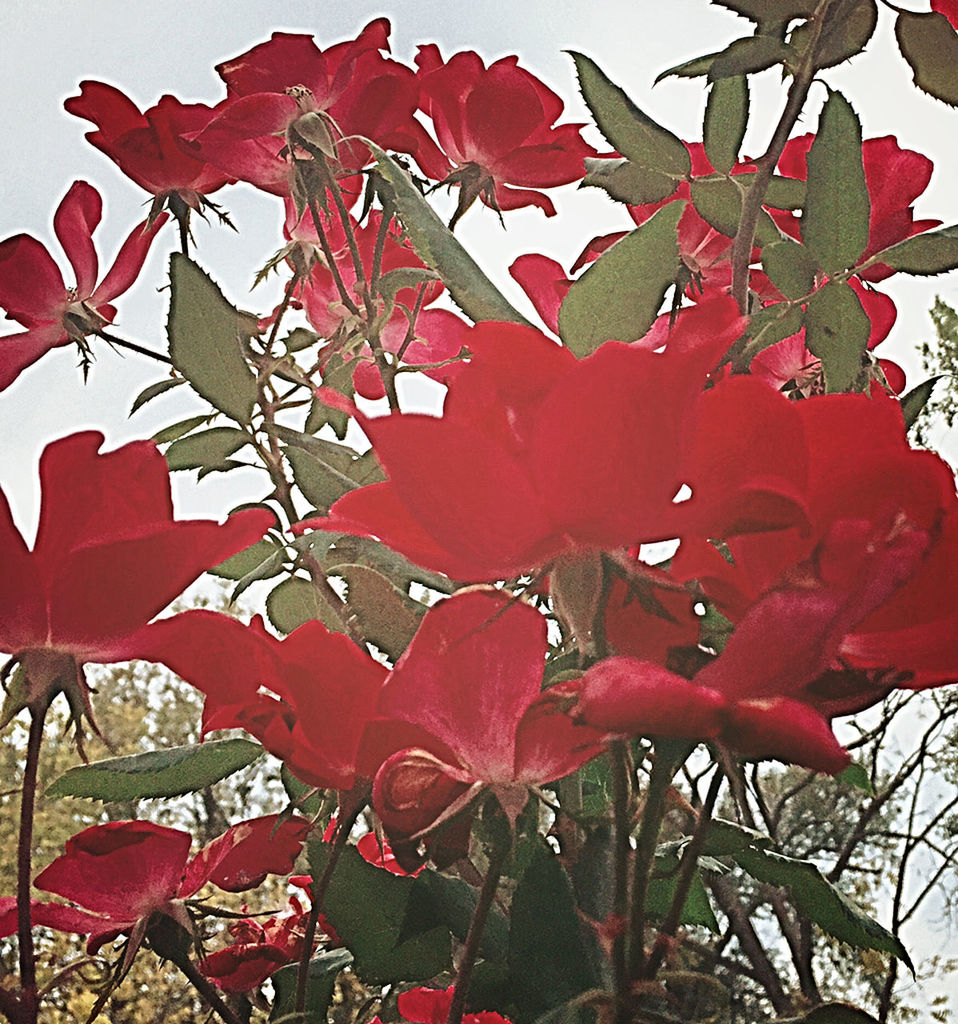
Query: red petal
x,y
129,261
18,351
31,286
74,223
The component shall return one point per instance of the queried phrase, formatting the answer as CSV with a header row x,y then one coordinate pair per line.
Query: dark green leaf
x,y
207,340
439,899
576,1011
300,338
817,898
915,401
837,331
338,375
856,775
364,551
835,217
368,906
933,252
209,449
719,202
151,392
157,773
175,430
749,55
308,800
627,182
324,969
790,267
845,32
726,838
295,601
385,616
697,909
620,295
695,68
785,193
320,483
930,45
546,953
251,559
762,11
633,134
440,250
772,324
726,115
403,277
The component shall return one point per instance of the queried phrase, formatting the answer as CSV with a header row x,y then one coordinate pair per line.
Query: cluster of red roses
x,y
812,526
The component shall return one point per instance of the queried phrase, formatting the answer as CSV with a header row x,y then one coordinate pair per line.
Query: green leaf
x,y
620,295
209,450
764,11
439,899
821,901
719,202
440,250
856,775
835,217
933,252
662,885
695,68
915,401
207,340
324,969
726,838
634,134
749,55
790,267
627,182
726,116
549,962
845,32
930,45
771,325
837,331
175,430
397,279
784,193
295,601
157,773
368,907
384,615
300,338
154,390
248,560
363,551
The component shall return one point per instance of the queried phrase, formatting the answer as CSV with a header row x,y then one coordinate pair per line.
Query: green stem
x,y
621,767
208,991
487,894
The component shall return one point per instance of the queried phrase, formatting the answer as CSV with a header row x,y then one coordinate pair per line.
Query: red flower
x,y
32,289
147,146
949,8
107,558
431,1006
125,872
307,698
496,126
287,92
484,492
470,683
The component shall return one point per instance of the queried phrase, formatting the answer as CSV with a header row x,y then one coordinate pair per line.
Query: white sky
x,y
48,46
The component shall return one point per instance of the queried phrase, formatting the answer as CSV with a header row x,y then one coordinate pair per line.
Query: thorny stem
x,y
487,894
683,884
208,991
344,295
281,312
29,1006
319,891
765,165
134,347
621,766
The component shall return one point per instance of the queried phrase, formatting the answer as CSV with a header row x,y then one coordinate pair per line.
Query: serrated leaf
x,y
726,116
856,775
398,278
785,193
620,295
835,219
347,550
176,430
719,202
633,133
440,250
548,960
154,390
157,773
694,68
930,45
915,401
661,892
308,800
320,483
927,254
748,56
844,33
248,560
771,325
761,11
207,340
295,601
821,901
837,331
627,182
324,968
207,450
368,906
725,838
384,615
790,267
300,338
438,899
